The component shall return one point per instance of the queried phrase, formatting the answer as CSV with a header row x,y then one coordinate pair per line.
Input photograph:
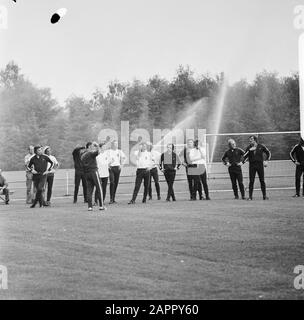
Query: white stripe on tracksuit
x,y
100,188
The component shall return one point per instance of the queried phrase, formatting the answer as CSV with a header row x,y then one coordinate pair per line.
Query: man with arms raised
x,y
91,173
79,173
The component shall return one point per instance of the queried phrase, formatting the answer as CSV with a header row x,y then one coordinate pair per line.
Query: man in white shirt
x,y
50,175
103,163
202,163
117,158
144,160
29,176
155,156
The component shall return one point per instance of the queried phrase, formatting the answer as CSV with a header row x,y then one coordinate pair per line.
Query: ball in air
x,y
58,15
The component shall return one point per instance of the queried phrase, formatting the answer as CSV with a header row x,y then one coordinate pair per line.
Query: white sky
x,y
103,40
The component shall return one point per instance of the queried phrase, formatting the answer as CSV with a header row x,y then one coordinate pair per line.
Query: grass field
x,y
222,249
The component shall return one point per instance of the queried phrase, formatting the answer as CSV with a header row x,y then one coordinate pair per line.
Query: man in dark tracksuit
x,y
38,167
169,162
89,162
233,158
297,156
79,173
255,153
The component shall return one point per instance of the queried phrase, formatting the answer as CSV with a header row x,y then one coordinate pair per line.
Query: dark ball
x,y
55,18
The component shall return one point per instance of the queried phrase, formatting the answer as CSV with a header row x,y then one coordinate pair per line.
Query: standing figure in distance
x,y
297,157
118,159
202,165
88,159
255,152
103,163
4,188
169,163
144,160
50,175
155,155
29,177
38,166
79,173
186,162
232,159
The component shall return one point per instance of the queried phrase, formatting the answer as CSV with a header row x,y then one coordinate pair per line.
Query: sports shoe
x,y
131,202
90,209
296,196
102,208
249,199
34,204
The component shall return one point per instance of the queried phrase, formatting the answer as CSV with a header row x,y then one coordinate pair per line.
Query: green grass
x,y
222,249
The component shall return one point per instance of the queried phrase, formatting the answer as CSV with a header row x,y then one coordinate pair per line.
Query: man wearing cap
x,y
232,159
50,175
38,166
297,157
4,188
29,176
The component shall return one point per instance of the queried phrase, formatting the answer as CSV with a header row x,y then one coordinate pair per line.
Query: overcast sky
x,y
103,40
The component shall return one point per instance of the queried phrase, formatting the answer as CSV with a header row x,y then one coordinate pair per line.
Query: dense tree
x,y
30,115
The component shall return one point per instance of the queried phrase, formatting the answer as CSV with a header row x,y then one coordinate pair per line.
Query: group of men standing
x,y
40,167
95,164
149,160
258,156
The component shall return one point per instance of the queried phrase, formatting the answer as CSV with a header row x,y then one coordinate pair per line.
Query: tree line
x,y
30,115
